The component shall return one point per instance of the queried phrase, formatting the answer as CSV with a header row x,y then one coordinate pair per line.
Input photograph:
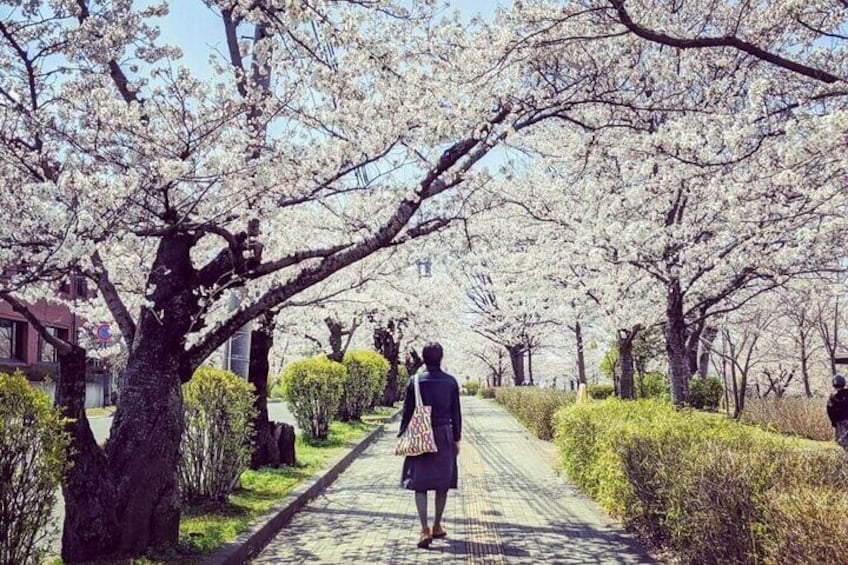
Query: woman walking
x,y
433,471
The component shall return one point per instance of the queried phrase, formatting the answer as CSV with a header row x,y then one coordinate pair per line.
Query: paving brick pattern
x,y
511,507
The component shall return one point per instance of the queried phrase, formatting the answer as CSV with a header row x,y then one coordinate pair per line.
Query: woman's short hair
x,y
432,354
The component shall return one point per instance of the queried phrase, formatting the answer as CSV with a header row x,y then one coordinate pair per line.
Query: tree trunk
x,y
501,368
707,339
285,448
336,332
90,529
516,358
805,369
625,357
678,364
740,394
144,442
693,342
413,362
581,361
265,450
388,344
530,364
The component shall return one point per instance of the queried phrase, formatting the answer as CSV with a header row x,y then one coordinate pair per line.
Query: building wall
x,y
49,314
44,373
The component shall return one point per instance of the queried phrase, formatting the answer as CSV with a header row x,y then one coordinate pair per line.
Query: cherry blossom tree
x,y
171,191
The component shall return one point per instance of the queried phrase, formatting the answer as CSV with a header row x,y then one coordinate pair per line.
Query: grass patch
x,y
204,529
100,412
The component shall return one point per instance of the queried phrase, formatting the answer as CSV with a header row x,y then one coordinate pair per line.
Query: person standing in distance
x,y
433,471
837,411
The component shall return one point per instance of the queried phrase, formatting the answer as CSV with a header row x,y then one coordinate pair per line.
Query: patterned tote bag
x,y
417,438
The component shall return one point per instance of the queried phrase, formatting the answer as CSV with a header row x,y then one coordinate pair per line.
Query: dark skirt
x,y
433,471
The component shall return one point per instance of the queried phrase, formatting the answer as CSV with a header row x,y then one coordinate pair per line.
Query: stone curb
x,y
249,543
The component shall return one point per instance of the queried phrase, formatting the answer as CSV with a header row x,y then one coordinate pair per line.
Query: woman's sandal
x,y
425,540
439,532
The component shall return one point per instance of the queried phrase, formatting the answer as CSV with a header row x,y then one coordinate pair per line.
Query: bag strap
x,y
418,401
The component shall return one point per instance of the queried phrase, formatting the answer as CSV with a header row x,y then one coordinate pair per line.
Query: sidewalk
x,y
511,507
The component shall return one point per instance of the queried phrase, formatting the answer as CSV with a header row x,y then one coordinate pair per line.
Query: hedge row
x,y
319,390
534,407
707,488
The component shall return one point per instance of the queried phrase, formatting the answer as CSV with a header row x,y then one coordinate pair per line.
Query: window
x,y
425,268
46,352
81,287
12,339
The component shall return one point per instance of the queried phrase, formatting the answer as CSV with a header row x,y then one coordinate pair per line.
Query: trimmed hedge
x,y
487,392
216,444
33,447
471,388
705,394
313,388
600,391
366,373
534,407
703,486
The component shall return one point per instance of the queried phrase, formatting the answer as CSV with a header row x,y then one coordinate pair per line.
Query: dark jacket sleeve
x,y
831,411
408,407
456,414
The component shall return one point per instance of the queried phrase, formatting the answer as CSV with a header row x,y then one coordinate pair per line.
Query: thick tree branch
x,y
115,71
113,299
463,154
726,41
61,345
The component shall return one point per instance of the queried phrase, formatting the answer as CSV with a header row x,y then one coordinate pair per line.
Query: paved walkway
x,y
511,507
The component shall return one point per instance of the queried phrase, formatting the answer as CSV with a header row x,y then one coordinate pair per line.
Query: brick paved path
x,y
511,507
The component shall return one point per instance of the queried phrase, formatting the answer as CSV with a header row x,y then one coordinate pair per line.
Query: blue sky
x,y
196,29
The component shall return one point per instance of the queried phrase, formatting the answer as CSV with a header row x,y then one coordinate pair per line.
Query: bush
x,y
698,484
33,447
654,385
403,378
802,417
217,430
534,407
805,525
705,394
487,392
313,388
471,388
366,373
600,391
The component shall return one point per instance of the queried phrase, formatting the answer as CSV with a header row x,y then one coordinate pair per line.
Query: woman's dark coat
x,y
434,471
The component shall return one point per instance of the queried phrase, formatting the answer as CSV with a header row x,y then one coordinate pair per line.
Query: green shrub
x,y
403,379
366,373
471,388
654,385
216,444
33,447
705,394
802,417
313,388
600,391
534,407
487,392
698,484
805,525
